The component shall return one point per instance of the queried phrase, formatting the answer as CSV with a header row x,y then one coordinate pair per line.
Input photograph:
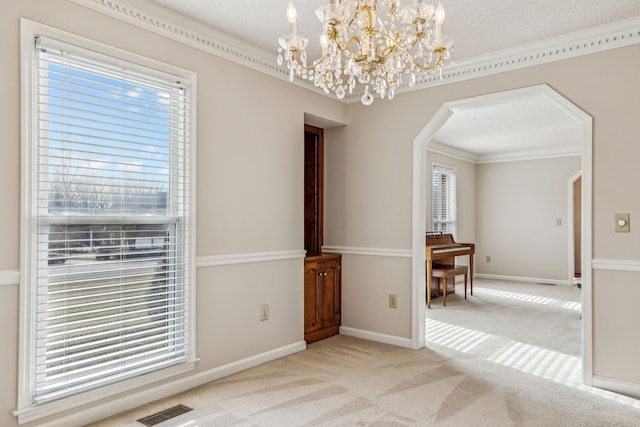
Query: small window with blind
x,y
109,275
443,199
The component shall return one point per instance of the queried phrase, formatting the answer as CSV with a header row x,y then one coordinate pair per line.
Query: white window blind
x,y
443,199
110,208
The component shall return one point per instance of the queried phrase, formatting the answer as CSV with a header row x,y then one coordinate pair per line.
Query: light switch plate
x,y
622,223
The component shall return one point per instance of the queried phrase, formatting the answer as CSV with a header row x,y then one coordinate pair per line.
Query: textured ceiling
x,y
521,126
480,27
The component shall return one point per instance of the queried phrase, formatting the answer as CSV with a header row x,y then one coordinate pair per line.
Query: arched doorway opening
x,y
419,210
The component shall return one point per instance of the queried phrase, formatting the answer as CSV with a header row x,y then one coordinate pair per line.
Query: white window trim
x,y
28,411
430,219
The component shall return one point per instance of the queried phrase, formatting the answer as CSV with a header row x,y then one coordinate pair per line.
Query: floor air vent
x,y
165,415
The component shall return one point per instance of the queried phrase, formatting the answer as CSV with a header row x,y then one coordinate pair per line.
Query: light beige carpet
x,y
509,356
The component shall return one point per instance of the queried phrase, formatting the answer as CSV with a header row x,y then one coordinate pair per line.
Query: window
x,y
443,199
109,271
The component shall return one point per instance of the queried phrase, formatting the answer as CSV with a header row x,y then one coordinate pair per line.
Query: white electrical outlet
x,y
393,301
264,312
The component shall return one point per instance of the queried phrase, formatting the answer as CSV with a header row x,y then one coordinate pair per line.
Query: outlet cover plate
x,y
393,301
622,223
264,312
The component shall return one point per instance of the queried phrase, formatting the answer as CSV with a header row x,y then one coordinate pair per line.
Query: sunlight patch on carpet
x,y
454,337
537,361
534,299
540,362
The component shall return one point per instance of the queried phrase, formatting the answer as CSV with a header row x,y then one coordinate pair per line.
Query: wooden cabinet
x,y
322,275
322,296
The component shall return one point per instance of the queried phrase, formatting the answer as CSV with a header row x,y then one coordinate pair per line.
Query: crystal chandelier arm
x,y
355,12
425,67
293,59
353,38
436,64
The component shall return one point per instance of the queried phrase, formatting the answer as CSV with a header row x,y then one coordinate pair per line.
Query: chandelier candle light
x,y
380,44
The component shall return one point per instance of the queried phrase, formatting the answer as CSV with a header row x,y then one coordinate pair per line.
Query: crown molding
x,y
550,153
579,43
449,151
189,32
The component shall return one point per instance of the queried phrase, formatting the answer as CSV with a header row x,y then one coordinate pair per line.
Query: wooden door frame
x,y
570,226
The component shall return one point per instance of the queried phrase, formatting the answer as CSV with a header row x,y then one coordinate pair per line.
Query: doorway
x,y
420,174
575,223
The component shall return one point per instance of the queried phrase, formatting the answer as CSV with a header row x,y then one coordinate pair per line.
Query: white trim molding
x,y
617,386
523,279
585,42
247,258
132,400
37,412
9,277
616,264
549,153
376,337
349,250
191,33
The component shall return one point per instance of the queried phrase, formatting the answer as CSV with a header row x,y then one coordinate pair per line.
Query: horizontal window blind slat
x,y
99,145
106,370
101,70
109,331
113,349
156,329
77,86
94,313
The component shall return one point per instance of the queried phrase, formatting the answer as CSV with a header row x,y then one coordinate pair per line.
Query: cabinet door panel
x,y
312,296
331,293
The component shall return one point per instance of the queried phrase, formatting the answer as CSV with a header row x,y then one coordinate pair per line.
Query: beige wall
x,y
517,206
250,190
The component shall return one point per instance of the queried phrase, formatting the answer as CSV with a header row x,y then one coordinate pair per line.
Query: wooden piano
x,y
442,249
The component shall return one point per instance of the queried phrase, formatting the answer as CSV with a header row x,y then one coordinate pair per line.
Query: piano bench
x,y
444,272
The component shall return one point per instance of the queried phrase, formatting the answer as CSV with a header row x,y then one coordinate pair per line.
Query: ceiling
x,y
480,27
533,124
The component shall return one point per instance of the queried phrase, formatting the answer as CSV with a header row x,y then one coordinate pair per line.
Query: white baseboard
x,y
377,337
522,279
617,386
132,400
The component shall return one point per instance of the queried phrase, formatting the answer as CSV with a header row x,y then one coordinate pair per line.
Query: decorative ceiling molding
x,y
619,34
449,151
593,40
548,153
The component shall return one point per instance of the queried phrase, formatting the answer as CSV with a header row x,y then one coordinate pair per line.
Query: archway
x,y
420,170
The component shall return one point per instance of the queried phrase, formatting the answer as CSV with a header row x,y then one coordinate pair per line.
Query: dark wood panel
x,y
313,189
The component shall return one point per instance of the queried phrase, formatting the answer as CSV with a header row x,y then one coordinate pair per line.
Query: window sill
x,y
36,412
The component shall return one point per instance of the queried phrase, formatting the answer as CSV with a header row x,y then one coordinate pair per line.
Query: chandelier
x,y
380,44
